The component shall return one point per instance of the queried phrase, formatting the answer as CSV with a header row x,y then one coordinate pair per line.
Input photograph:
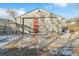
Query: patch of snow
x,y
6,39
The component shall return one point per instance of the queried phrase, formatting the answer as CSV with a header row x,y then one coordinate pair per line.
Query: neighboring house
x,y
7,27
2,25
72,25
47,22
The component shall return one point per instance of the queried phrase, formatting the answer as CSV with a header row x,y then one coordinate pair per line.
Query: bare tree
x,y
12,13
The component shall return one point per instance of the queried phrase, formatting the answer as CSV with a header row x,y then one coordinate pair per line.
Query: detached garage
x,y
39,21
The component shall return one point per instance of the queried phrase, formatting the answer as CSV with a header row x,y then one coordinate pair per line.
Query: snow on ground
x,y
6,39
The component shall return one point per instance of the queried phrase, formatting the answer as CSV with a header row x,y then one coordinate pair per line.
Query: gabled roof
x,y
40,10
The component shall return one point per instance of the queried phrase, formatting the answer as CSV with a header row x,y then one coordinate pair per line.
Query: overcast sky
x,y
63,9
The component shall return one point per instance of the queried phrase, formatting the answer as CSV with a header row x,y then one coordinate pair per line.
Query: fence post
x,y
22,26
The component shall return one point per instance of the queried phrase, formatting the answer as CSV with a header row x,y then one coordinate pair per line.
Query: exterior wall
x,y
48,24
